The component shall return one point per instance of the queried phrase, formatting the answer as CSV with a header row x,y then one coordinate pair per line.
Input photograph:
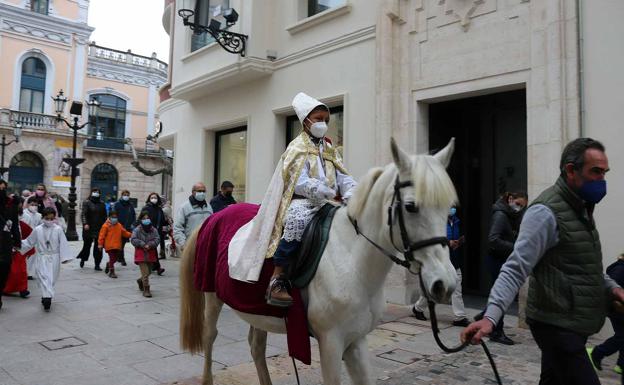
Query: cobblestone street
x,y
102,331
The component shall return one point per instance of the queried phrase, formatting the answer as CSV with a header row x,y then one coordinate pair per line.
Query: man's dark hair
x,y
143,214
112,212
574,152
227,184
125,192
95,189
48,211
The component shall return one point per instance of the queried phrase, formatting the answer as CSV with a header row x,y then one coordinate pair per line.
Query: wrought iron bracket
x,y
230,41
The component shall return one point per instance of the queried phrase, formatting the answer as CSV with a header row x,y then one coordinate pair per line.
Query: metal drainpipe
x,y
581,84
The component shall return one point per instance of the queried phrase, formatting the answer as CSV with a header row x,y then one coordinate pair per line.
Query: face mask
x,y
453,211
515,207
154,200
54,200
40,193
113,221
146,222
318,129
593,191
32,209
48,222
125,198
200,196
95,195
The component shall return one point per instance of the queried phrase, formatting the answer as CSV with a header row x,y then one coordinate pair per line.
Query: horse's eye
x,y
411,207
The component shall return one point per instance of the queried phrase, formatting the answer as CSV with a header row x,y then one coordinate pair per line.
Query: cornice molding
x,y
29,23
140,76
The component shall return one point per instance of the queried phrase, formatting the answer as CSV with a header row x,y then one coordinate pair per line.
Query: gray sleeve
x,y
538,233
179,226
610,283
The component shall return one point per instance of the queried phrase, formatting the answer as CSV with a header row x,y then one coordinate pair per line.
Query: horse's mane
x,y
432,185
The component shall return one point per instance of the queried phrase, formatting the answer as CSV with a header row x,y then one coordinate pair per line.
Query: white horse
x,y
345,299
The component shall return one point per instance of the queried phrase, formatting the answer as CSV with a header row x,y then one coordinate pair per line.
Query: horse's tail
x,y
191,301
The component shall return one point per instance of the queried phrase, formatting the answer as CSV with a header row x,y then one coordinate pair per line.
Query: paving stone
x,y
175,367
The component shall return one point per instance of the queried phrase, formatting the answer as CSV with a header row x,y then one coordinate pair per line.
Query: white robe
x,y
33,220
51,249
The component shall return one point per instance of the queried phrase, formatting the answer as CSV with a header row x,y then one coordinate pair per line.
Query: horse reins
x,y
408,253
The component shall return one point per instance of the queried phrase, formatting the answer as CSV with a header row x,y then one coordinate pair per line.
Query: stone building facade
x,y
45,48
512,80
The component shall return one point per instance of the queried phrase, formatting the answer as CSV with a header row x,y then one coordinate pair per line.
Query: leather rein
x,y
396,210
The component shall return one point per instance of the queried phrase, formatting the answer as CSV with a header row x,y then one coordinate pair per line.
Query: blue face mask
x,y
452,211
113,220
146,222
593,191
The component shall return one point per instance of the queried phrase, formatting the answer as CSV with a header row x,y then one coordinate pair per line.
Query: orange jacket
x,y
110,236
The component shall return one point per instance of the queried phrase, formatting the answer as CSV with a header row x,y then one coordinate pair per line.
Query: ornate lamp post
x,y
229,41
17,132
75,111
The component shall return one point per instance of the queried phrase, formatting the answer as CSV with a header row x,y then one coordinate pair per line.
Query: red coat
x,y
139,239
18,276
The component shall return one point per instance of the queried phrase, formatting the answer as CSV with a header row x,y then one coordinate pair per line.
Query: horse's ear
x,y
445,154
401,159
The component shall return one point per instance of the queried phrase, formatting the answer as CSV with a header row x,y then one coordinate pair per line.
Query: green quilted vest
x,y
566,287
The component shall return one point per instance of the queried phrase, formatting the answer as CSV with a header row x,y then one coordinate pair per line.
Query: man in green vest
x,y
559,247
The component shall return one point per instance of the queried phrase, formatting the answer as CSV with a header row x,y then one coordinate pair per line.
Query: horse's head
x,y
421,196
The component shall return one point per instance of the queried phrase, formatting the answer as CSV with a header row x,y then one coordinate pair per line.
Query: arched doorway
x,y
25,171
104,176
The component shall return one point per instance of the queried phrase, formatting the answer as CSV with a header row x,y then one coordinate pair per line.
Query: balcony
x,y
30,120
129,58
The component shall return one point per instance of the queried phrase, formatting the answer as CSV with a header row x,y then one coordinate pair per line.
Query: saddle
x,y
304,264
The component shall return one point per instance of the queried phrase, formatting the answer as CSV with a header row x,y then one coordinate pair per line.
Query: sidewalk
x,y
102,331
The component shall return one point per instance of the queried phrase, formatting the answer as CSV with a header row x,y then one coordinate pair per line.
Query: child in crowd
x,y
111,239
51,249
145,239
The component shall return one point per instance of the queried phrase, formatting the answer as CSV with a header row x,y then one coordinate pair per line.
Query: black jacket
x,y
220,201
157,216
503,230
125,213
94,215
8,221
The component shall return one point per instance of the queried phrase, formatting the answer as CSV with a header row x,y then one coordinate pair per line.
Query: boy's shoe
x,y
147,293
24,293
81,263
30,278
112,274
98,268
123,263
140,283
47,303
418,314
597,364
160,271
618,369
106,269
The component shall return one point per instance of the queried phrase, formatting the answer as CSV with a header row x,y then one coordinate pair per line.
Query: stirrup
x,y
278,282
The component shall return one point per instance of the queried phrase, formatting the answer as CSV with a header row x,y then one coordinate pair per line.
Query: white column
x,y
151,108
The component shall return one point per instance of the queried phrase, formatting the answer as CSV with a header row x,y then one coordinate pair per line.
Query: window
x,y
32,89
318,6
204,11
39,6
334,131
108,128
231,160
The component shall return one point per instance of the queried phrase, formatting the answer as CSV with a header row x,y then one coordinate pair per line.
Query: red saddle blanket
x,y
211,274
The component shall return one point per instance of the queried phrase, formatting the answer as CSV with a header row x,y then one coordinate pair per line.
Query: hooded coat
x,y
503,230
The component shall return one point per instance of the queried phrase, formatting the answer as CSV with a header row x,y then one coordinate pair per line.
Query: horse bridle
x,y
408,250
396,210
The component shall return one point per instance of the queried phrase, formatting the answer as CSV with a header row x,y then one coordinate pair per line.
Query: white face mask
x,y
32,209
125,197
48,222
95,195
154,200
200,196
318,129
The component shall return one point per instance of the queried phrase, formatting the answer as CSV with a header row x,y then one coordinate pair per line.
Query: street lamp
x,y
230,41
17,132
75,111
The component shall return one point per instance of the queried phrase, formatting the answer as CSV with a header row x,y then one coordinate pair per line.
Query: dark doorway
x,y
25,172
490,158
104,176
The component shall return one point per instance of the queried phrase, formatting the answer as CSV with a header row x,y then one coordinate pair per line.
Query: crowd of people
x,y
33,244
